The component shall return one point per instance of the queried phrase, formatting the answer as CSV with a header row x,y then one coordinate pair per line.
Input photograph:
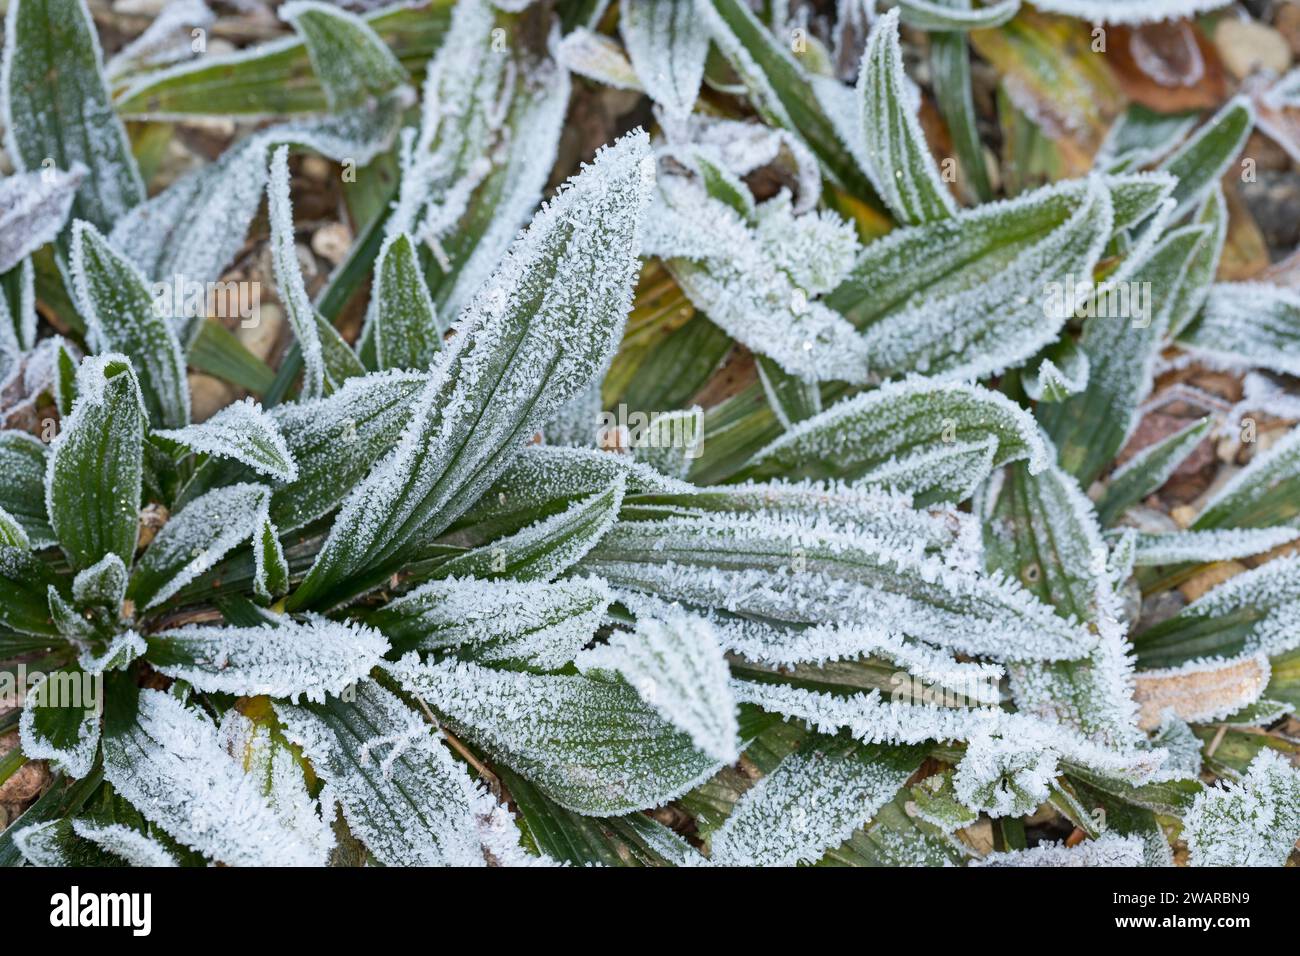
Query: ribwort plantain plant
x,y
756,504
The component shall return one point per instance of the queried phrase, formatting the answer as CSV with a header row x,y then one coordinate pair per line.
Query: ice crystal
x,y
1252,823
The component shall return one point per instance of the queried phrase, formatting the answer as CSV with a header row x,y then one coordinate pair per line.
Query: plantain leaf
x,y
401,792
95,465
1148,470
592,746
33,208
241,432
939,17
22,493
1206,156
57,108
403,320
516,360
60,721
123,316
667,51
893,149
1265,493
351,62
24,584
287,658
1247,324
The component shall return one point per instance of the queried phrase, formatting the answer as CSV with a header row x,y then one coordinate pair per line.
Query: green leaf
x,y
1064,371
124,317
893,838
1141,137
350,60
215,350
1042,531
1252,613
241,432
1122,345
22,491
667,50
781,90
24,582
1148,470
973,296
950,65
403,319
793,399
592,746
12,533
947,16
33,208
284,658
1196,282
894,152
195,539
534,623
401,791
58,109
904,436
277,77
60,721
1266,493
547,548
1200,161
96,464
522,353
1247,324
812,802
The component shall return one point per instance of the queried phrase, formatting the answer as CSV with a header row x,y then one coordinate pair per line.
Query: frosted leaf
x,y
934,800
335,441
1199,162
168,39
593,746
17,322
742,147
598,58
812,801
121,651
668,49
541,475
933,17
1198,279
270,569
806,572
401,791
1252,823
1176,736
893,150
576,423
56,107
33,208
266,757
909,436
1208,546
487,141
1247,324
871,719
1005,775
243,432
1042,530
1148,470
815,249
196,226
1122,343
1141,137
402,318
1200,691
136,848
41,844
542,624
676,666
94,468
726,270
1262,607
171,765
1256,488
526,345
193,541
1109,849
288,659
351,62
123,316
60,722
981,331
1261,393
1053,383
322,347
12,532
545,549
1121,11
